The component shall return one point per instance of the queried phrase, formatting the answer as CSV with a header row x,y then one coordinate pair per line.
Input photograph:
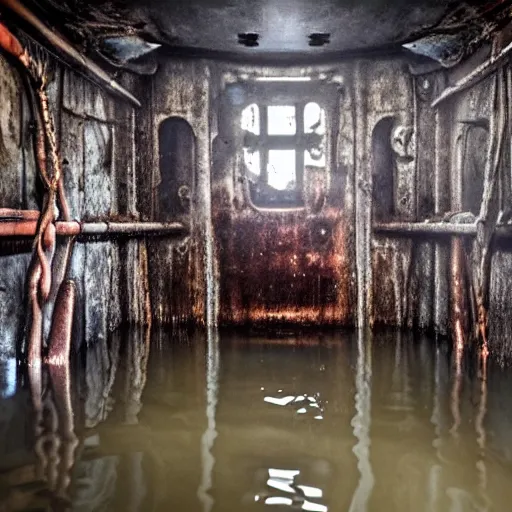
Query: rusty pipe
x,y
436,228
13,214
11,45
62,325
89,68
73,228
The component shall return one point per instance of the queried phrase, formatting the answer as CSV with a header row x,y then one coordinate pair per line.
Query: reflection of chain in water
x,y
361,423
56,441
208,438
482,408
61,383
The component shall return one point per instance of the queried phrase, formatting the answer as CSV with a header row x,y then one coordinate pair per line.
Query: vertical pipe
x,y
363,187
441,204
204,189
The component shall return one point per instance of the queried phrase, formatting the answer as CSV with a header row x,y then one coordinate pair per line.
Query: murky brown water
x,y
313,422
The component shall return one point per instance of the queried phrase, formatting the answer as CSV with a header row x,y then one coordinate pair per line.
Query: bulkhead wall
x,y
391,159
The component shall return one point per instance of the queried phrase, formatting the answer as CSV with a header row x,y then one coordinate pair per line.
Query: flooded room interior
x,y
255,255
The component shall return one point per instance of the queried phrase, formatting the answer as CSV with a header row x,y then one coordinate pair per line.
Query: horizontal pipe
x,y
72,228
12,214
144,227
436,228
90,68
130,228
21,228
477,75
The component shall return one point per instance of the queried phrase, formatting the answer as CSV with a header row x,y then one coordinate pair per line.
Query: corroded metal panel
x,y
11,158
281,265
182,276
284,268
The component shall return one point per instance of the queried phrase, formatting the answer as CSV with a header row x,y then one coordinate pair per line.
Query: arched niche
x,y
383,170
476,141
177,160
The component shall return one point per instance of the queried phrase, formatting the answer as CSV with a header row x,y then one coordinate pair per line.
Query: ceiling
x,y
261,28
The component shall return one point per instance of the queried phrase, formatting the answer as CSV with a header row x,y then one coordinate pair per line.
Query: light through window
x,y
281,169
281,120
282,144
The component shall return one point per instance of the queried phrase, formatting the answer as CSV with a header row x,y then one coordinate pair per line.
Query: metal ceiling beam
x,y
68,52
477,75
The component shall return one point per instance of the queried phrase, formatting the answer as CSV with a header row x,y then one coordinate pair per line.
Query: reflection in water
x,y
434,479
361,422
457,381
480,429
295,496
207,459
208,422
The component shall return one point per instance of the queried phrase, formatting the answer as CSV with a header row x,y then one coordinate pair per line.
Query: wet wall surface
x,y
390,157
295,270
229,421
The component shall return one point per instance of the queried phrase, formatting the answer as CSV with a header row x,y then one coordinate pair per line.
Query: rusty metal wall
x,y
235,264
381,279
181,270
296,265
425,280
97,140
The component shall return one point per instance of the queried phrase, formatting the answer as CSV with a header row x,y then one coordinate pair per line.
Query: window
x,y
283,143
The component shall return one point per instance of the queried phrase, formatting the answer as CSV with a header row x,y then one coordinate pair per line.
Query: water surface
x,y
150,421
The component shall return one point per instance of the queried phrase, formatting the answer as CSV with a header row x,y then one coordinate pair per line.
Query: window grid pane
x,y
281,169
281,120
289,143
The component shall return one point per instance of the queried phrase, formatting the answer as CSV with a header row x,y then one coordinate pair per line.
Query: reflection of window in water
x,y
280,141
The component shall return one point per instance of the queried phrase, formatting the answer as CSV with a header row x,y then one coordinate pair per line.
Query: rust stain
x,y
391,291
11,45
459,320
459,302
175,273
284,267
40,274
384,310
